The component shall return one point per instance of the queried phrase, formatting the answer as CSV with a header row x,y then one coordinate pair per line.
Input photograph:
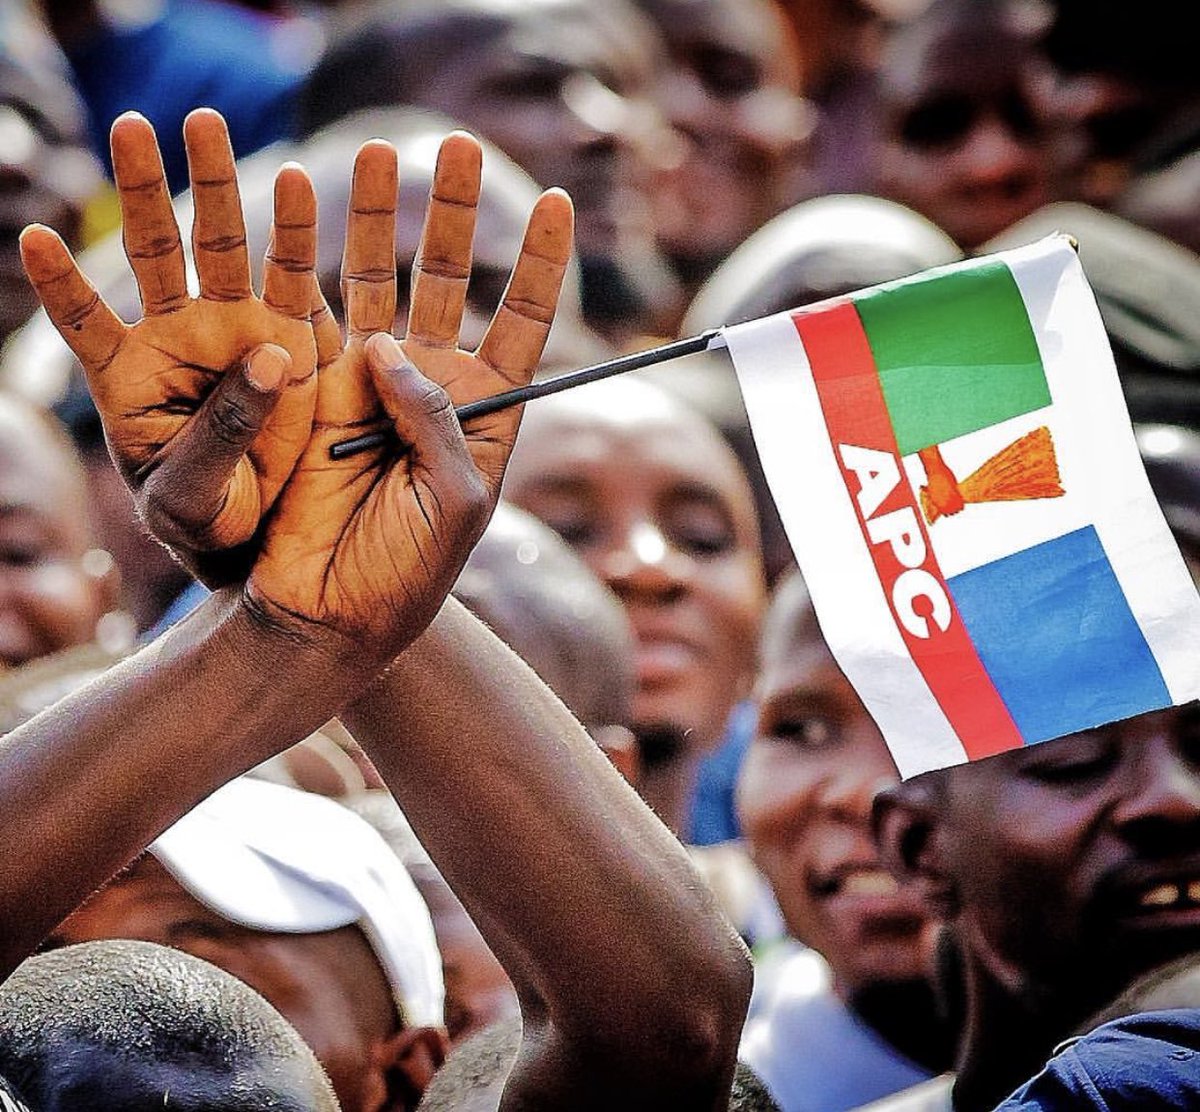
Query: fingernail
x,y
382,347
266,367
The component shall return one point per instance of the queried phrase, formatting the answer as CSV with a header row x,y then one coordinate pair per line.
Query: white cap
x,y
271,858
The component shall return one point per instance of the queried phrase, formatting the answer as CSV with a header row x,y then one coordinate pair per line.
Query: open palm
x,y
373,542
150,379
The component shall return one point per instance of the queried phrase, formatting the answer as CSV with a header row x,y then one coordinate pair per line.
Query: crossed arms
x,y
331,585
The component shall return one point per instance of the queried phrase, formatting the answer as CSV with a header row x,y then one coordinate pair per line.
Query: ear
x,y
408,1059
909,830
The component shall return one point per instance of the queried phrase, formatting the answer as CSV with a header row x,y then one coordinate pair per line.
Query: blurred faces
x,y
562,87
655,503
46,174
329,985
731,91
804,800
1077,862
53,589
961,141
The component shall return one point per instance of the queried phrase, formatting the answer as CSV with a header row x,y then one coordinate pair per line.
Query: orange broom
x,y
1027,468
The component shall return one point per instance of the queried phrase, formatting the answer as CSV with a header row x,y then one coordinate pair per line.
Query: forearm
x,y
585,896
91,781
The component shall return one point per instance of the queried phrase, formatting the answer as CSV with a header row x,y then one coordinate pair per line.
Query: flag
x,y
952,460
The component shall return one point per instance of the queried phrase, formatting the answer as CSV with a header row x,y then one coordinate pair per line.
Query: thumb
x,y
204,492
423,416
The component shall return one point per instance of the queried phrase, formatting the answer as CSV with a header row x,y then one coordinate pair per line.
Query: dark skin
x,y
358,556
804,801
1065,871
210,696
327,985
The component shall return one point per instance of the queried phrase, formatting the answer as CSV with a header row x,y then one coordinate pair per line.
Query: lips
x,y
1156,895
663,659
862,880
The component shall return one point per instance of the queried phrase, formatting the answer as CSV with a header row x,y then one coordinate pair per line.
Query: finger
x,y
204,493
517,334
423,417
369,258
91,329
151,233
326,333
292,252
219,231
442,267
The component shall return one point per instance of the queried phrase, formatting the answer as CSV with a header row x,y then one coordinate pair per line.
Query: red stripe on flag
x,y
895,532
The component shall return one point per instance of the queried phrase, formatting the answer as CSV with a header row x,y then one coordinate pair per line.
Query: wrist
x,y
279,638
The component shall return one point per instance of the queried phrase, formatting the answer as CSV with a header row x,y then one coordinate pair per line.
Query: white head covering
x,y
271,858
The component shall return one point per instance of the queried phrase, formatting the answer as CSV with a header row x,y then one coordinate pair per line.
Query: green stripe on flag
x,y
955,353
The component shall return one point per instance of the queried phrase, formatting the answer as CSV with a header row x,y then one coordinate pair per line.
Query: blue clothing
x,y
1142,1061
185,602
196,53
813,1052
713,818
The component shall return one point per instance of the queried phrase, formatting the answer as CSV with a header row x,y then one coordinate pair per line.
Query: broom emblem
x,y
1025,469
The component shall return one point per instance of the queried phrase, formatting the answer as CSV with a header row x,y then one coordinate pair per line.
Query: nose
x,y
848,793
1162,798
642,563
992,153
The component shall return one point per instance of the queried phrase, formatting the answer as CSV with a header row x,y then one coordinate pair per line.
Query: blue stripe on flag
x,y
1055,633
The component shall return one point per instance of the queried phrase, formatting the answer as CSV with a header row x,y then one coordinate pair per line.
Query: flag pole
x,y
706,341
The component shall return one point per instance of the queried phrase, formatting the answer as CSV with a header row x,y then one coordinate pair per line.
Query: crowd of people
x,y
423,776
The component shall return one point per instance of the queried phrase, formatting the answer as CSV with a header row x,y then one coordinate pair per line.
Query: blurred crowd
x,y
1016,933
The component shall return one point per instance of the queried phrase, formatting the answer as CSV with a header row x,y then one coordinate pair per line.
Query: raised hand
x,y
370,545
226,377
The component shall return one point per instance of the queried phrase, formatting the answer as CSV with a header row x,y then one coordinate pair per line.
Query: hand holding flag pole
x,y
706,341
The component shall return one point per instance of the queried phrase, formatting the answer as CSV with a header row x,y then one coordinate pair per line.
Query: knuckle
x,y
232,421
430,400
475,504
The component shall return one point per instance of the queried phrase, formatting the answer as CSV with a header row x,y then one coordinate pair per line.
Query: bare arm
x,y
633,986
91,781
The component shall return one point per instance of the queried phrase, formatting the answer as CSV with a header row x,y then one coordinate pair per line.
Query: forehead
x,y
94,1076
793,652
601,437
582,35
960,56
747,26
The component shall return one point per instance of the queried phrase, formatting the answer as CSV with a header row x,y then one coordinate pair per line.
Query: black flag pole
x,y
619,366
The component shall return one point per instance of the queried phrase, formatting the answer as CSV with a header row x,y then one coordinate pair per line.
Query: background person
x,y
130,1027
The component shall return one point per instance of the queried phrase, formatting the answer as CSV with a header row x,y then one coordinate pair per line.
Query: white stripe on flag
x,y
1097,442
818,516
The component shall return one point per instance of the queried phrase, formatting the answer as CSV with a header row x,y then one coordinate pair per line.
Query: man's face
x,y
329,986
730,90
656,505
1078,861
48,601
804,800
562,87
962,142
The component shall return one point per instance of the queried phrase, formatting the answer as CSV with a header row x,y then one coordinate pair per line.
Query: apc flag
x,y
954,466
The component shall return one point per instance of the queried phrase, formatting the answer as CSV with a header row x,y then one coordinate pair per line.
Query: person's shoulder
x,y
1151,1059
